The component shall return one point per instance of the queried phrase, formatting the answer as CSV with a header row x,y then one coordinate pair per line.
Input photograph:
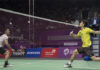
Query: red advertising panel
x,y
49,52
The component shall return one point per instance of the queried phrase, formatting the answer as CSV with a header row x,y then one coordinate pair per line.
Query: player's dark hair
x,y
85,22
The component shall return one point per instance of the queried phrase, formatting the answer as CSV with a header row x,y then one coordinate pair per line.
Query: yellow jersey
x,y
85,36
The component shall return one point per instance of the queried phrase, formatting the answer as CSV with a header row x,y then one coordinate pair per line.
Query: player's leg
x,y
6,58
73,55
89,52
95,58
71,59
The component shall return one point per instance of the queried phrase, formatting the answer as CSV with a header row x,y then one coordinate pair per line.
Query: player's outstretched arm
x,y
96,32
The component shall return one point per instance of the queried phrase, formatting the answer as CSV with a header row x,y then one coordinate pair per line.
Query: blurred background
x,y
47,23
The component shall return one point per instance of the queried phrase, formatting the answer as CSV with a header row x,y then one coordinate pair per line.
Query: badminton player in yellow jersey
x,y
84,33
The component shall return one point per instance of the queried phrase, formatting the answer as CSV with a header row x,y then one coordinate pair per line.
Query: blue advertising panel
x,y
34,52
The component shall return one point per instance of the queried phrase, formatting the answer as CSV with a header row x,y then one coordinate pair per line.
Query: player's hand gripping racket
x,y
71,33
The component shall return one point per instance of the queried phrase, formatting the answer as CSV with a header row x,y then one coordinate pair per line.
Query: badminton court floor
x,y
49,64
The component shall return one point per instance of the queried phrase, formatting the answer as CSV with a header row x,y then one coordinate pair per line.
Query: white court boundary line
x,y
18,13
7,66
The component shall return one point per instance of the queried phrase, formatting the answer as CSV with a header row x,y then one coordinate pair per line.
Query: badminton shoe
x,y
67,65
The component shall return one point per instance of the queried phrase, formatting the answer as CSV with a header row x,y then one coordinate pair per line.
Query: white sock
x,y
69,62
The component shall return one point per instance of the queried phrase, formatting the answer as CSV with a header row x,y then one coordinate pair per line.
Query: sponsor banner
x,y
34,52
70,43
49,52
19,53
66,52
2,56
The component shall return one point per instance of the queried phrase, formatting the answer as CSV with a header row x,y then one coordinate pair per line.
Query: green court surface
x,y
49,64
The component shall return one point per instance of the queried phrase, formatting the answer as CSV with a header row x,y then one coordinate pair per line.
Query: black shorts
x,y
85,50
2,50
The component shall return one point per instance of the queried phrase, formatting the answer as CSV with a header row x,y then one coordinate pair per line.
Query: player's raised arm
x,y
73,35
